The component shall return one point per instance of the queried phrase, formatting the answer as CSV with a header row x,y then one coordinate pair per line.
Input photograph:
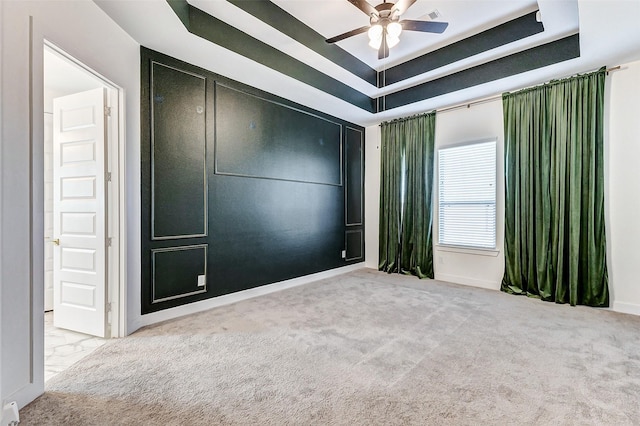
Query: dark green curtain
x,y
406,182
555,245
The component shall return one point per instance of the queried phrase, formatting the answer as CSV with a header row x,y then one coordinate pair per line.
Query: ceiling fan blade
x,y
402,5
347,34
424,26
364,6
383,51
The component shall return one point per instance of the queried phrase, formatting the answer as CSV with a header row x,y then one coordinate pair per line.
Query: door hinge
x,y
107,111
109,241
109,315
108,176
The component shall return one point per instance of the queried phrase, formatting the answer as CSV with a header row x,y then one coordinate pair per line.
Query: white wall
x,y
623,197
88,34
1,197
481,268
14,193
371,195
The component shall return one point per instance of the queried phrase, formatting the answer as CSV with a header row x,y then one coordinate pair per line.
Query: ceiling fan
x,y
385,25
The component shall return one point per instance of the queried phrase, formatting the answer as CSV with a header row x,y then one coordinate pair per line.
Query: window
x,y
467,195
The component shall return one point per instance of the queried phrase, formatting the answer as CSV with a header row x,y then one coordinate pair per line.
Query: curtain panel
x,y
406,187
555,246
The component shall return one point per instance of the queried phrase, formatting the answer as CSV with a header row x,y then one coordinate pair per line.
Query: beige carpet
x,y
364,348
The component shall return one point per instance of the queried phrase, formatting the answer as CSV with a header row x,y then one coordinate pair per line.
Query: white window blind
x,y
467,195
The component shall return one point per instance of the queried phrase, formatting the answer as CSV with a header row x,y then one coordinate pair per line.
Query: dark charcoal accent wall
x,y
239,187
354,188
175,272
355,176
178,152
310,151
354,244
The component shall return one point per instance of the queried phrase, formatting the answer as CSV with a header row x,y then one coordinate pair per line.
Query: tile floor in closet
x,y
62,348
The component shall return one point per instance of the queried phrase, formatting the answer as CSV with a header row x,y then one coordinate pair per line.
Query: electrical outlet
x,y
344,254
202,280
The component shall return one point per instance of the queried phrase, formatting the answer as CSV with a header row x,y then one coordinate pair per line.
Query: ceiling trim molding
x,y
560,50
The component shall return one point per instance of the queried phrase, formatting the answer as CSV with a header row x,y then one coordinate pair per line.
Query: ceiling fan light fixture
x,y
375,32
394,29
375,43
375,35
392,41
385,24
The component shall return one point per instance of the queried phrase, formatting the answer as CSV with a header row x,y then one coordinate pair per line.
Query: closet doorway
x,y
81,263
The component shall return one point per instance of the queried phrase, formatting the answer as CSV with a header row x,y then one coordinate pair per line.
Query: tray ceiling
x,y
490,46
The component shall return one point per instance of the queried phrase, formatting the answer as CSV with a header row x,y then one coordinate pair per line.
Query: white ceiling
x,y
609,35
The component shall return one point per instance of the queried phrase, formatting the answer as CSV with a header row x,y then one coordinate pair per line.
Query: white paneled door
x,y
79,218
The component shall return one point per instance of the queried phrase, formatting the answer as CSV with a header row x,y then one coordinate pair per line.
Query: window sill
x,y
468,250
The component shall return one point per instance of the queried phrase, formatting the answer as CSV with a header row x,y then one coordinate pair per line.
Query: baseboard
x,y
626,308
239,296
474,282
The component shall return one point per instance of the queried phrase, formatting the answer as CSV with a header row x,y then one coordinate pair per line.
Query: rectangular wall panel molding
x,y
354,179
259,138
176,272
178,153
355,244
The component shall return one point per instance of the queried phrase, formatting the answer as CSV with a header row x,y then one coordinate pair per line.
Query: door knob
x,y
56,241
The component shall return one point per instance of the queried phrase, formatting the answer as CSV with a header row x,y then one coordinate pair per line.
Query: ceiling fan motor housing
x,y
385,14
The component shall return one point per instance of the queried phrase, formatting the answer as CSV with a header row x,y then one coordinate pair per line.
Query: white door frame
x,y
1,144
115,194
